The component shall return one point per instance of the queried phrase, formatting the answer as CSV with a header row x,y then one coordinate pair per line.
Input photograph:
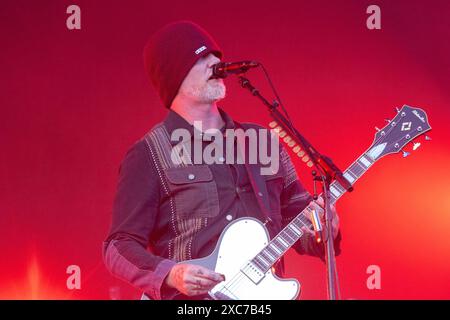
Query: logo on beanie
x,y
202,48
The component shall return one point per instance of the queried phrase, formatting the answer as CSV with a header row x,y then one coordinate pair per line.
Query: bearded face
x,y
198,84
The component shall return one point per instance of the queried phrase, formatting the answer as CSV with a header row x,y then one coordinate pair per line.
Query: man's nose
x,y
213,60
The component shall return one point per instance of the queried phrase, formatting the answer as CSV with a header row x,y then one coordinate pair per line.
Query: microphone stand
x,y
328,172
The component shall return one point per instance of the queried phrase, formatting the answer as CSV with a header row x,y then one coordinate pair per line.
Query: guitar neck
x,y
353,173
278,246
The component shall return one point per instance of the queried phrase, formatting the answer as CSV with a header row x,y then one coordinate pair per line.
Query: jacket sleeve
x,y
134,212
295,198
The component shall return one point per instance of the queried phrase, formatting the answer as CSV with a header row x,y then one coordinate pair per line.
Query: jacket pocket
x,y
194,191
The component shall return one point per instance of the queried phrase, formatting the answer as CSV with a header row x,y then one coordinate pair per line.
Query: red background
x,y
72,102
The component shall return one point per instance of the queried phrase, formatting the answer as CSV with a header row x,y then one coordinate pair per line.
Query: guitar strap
x,y
256,179
260,190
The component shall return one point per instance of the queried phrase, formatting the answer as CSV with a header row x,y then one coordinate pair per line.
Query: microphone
x,y
224,69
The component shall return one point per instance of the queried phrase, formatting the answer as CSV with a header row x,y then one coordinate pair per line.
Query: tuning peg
x,y
416,145
376,128
397,109
427,138
273,124
405,154
388,120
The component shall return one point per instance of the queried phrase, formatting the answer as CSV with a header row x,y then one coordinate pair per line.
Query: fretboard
x,y
278,246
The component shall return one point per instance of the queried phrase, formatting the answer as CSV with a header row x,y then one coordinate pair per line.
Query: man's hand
x,y
192,280
318,205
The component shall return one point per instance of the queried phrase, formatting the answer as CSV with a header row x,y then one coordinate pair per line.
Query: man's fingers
x,y
320,202
198,286
202,283
192,280
194,290
207,274
316,205
307,230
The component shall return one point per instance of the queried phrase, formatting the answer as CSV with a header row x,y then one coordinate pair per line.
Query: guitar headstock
x,y
408,124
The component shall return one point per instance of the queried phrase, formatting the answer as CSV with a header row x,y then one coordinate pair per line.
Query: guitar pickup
x,y
253,272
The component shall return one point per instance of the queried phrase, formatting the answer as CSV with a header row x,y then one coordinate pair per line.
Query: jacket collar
x,y
175,121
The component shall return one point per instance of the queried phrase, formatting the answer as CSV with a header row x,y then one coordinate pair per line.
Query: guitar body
x,y
240,242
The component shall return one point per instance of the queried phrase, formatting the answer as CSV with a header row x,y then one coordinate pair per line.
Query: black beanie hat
x,y
170,54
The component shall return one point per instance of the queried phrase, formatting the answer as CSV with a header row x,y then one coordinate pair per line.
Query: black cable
x,y
266,74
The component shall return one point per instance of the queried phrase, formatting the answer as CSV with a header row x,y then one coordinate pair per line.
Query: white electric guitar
x,y
244,252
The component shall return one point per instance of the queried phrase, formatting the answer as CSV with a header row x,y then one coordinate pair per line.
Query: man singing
x,y
170,209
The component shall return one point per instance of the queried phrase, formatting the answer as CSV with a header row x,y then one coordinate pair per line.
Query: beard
x,y
210,91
